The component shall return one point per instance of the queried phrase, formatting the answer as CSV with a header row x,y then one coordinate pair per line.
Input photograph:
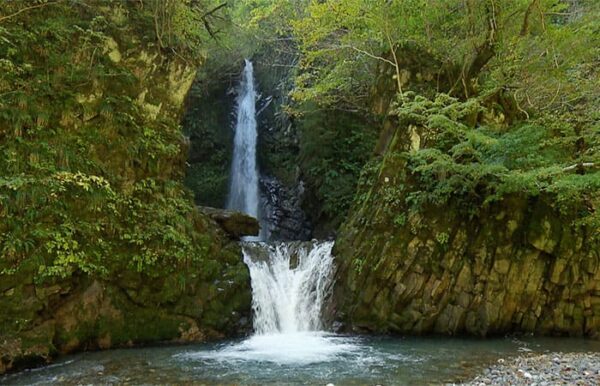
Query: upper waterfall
x,y
243,188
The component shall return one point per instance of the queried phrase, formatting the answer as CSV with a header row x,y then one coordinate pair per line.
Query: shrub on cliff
x,y
91,149
470,159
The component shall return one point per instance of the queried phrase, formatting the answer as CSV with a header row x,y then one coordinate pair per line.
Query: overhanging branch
x,y
579,165
2,18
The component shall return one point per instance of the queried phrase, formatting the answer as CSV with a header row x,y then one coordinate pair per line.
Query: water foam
x,y
298,348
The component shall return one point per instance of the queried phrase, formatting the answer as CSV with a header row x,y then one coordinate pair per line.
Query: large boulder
x,y
235,224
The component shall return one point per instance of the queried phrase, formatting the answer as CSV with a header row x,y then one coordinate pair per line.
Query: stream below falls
x,y
290,282
296,358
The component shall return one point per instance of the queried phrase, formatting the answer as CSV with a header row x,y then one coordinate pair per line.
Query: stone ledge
x,y
235,224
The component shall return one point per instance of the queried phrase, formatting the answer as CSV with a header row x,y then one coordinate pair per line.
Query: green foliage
x,y
89,182
209,182
471,167
442,238
553,67
400,220
184,28
343,41
366,178
267,18
207,124
333,150
358,265
544,50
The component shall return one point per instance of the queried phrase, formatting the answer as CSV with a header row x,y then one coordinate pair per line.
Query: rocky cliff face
x,y
87,313
282,208
101,244
208,121
517,264
515,268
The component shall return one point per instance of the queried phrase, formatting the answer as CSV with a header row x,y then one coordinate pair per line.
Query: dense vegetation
x,y
522,74
528,68
92,157
92,160
89,182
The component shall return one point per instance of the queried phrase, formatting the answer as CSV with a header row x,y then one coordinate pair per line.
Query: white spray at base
x,y
290,284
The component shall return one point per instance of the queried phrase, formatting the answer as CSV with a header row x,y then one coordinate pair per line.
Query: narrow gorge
x,y
324,192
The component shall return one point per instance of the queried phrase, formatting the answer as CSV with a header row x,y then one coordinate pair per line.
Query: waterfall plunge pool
x,y
290,282
296,358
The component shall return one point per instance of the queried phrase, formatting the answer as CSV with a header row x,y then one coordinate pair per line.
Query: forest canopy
x,y
531,68
530,65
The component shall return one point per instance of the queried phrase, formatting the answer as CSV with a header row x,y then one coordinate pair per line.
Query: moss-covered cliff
x,y
101,243
466,224
208,122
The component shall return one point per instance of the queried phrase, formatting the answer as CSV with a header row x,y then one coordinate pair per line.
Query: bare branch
x,y
396,64
518,106
205,20
27,9
209,13
525,25
582,165
368,54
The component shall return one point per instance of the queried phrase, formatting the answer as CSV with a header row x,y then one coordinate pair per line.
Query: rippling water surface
x,y
299,358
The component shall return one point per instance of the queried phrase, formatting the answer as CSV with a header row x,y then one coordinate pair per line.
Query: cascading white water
x,y
243,188
290,280
285,300
288,299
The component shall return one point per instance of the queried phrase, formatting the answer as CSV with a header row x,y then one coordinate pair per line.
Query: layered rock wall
x,y
516,269
517,265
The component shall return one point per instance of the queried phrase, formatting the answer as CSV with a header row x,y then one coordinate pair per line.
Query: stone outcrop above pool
x,y
235,224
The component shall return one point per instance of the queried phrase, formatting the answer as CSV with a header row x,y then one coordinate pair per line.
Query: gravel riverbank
x,y
543,370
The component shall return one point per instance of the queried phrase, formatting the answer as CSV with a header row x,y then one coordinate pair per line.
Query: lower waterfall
x,y
290,282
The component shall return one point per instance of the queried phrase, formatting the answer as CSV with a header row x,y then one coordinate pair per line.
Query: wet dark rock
x,y
337,326
235,224
284,217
